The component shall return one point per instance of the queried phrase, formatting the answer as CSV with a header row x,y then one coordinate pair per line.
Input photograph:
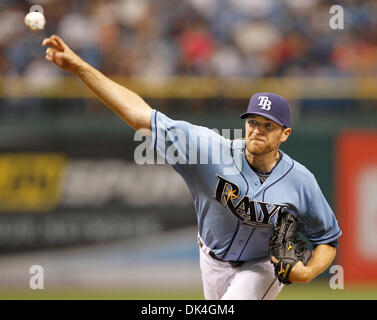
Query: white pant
x,y
250,281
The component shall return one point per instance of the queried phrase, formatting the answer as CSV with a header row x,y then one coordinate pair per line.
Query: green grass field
x,y
322,291
313,291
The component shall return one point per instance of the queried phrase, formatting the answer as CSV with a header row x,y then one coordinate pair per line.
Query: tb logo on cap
x,y
264,103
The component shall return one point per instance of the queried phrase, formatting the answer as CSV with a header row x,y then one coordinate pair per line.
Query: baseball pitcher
x,y
255,205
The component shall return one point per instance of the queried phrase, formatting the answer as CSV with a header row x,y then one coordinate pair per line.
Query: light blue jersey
x,y
235,212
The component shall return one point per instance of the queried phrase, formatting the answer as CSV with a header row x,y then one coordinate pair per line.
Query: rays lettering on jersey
x,y
251,212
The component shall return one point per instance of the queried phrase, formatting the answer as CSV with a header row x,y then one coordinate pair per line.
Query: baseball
x,y
35,21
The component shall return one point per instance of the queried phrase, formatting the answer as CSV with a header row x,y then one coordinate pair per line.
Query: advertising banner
x,y
50,199
357,205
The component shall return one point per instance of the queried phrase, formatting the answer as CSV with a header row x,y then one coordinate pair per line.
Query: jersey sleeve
x,y
181,143
320,225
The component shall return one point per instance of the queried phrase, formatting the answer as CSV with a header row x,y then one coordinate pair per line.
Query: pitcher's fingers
x,y
49,56
45,41
56,44
51,51
60,43
49,41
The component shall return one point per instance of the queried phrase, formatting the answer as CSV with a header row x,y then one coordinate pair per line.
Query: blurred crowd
x,y
224,38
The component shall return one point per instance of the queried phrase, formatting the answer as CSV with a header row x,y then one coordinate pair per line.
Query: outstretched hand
x,y
59,53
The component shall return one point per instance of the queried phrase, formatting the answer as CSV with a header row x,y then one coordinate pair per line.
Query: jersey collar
x,y
284,165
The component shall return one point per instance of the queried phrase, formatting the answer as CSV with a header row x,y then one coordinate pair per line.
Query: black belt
x,y
234,264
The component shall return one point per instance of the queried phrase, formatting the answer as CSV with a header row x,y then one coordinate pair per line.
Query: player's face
x,y
263,135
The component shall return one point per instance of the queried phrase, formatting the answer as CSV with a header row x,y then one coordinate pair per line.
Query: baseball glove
x,y
287,246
